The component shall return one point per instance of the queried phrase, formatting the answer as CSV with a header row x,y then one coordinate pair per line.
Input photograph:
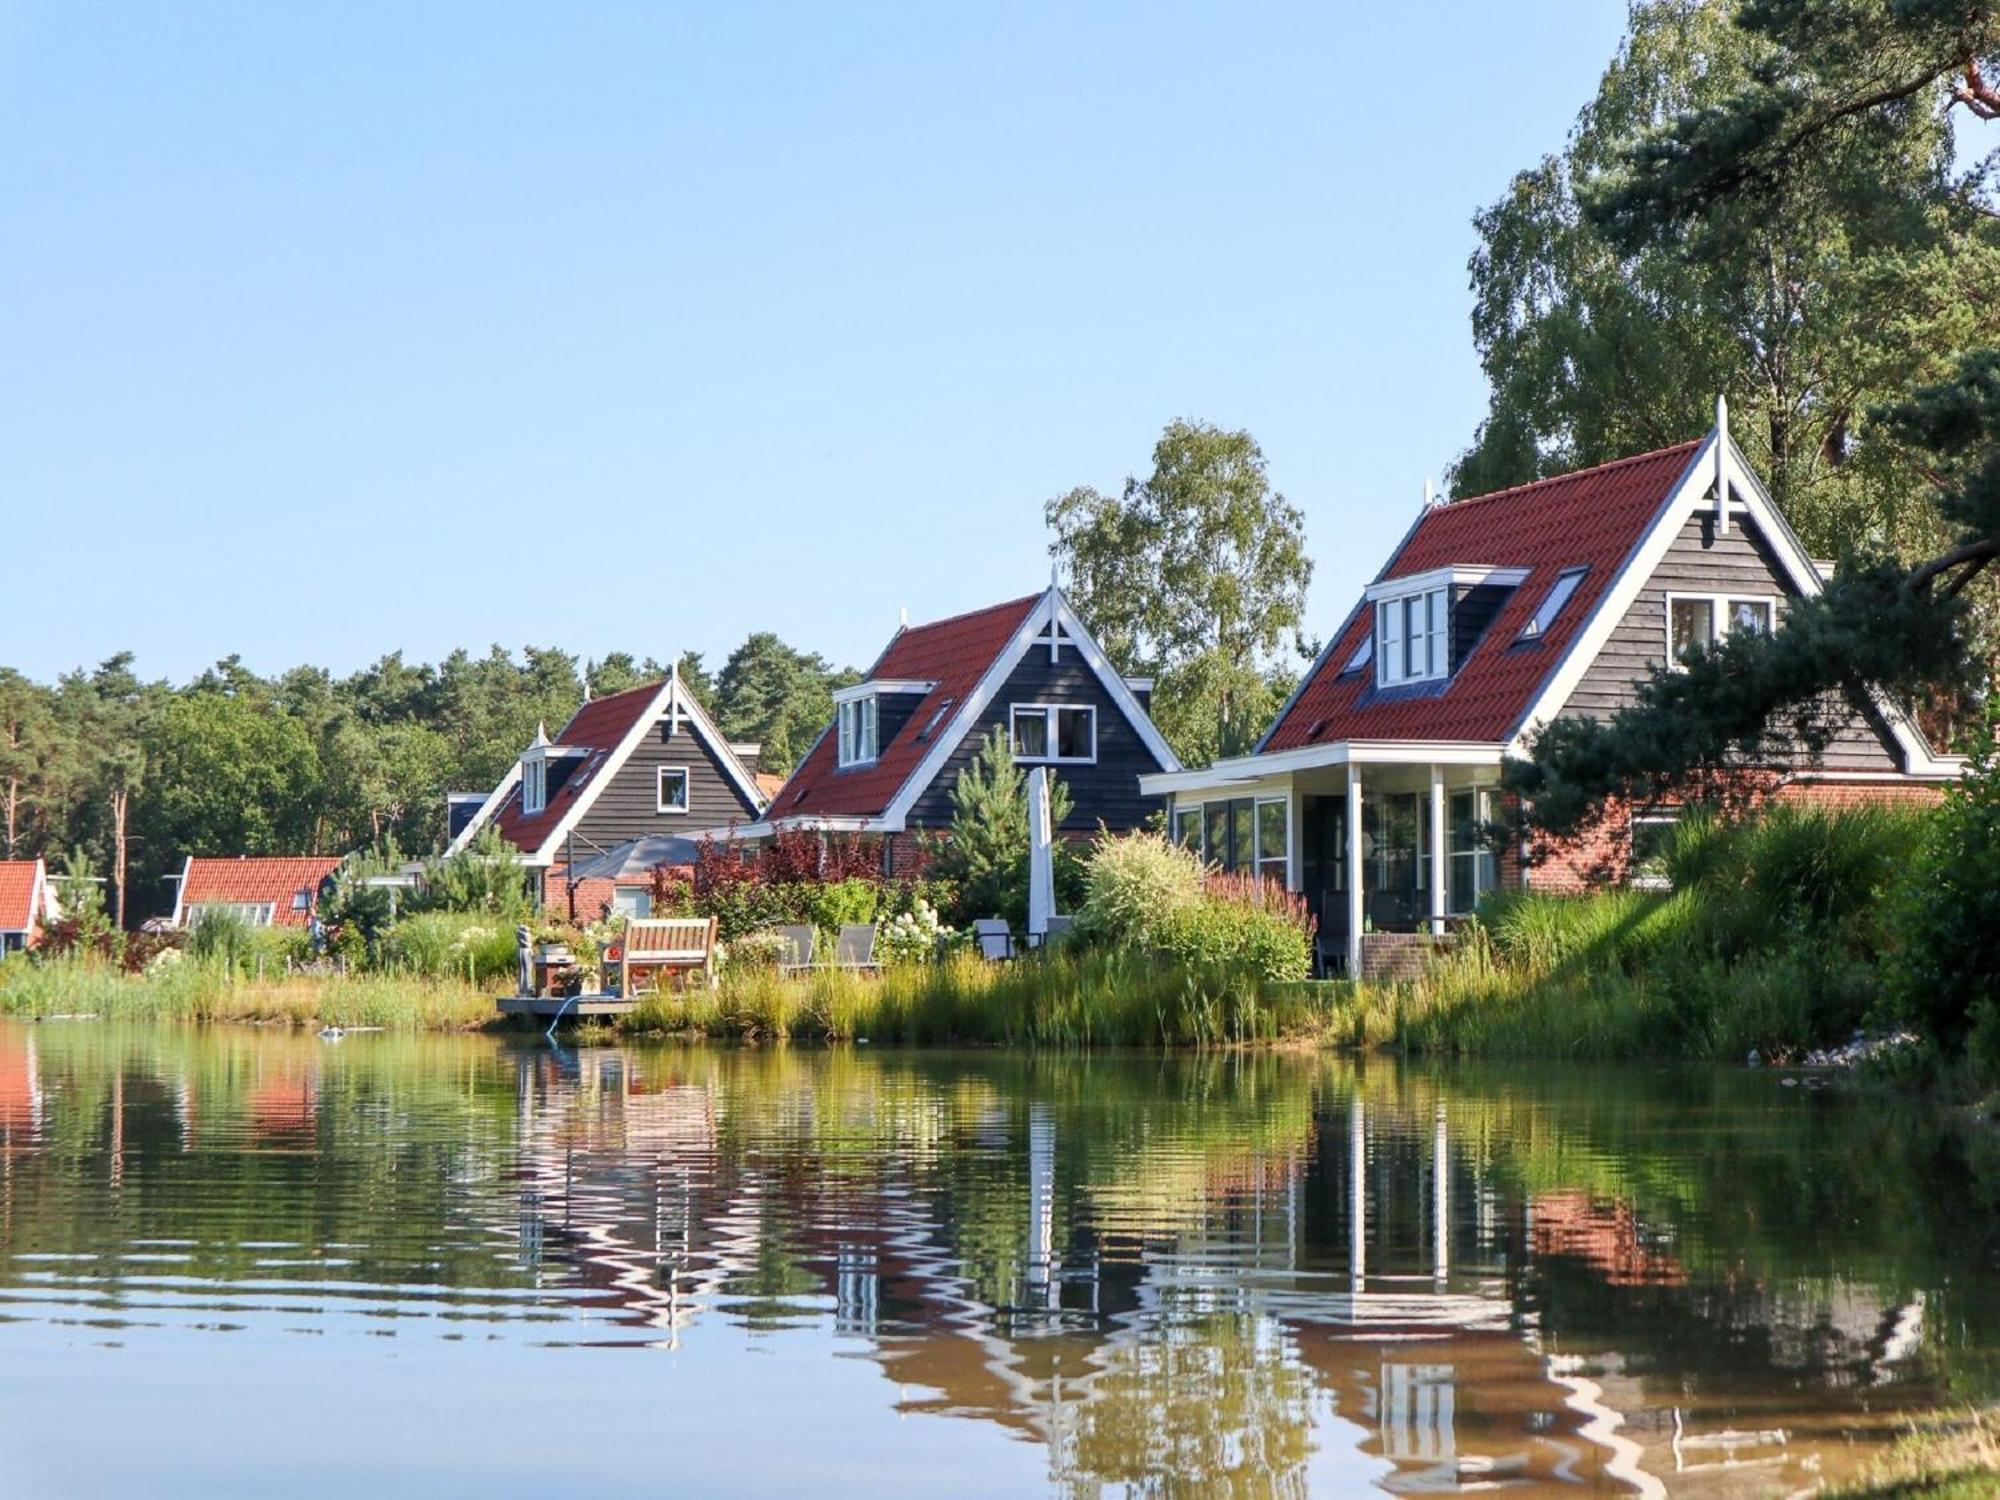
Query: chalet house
x,y
279,891
27,903
643,762
1029,668
1494,616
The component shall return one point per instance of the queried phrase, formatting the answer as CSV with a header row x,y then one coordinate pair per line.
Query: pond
x,y
236,1261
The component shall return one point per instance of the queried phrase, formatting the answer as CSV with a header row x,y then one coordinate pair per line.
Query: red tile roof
x,y
597,727
954,654
17,895
251,881
1594,518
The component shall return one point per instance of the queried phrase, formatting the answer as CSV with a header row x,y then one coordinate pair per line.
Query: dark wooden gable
x,y
1736,562
627,807
1105,791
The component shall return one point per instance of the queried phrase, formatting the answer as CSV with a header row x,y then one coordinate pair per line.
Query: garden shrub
x,y
914,936
1133,884
831,907
1944,977
451,945
1243,926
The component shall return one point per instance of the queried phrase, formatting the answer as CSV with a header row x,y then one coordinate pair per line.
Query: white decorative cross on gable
x,y
1055,638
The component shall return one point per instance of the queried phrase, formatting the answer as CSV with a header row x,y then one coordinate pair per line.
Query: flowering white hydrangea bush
x,y
914,937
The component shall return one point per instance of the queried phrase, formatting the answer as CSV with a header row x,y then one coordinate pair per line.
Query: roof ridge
x,y
966,614
1614,463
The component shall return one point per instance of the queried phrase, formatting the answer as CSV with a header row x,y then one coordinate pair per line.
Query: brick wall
x,y
1600,854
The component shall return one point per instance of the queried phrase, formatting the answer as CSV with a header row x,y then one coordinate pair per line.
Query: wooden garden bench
x,y
667,945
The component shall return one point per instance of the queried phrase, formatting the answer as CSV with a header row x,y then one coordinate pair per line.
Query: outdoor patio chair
x,y
995,938
855,947
798,950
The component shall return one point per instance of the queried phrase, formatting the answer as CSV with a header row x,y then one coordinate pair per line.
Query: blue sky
x,y
333,330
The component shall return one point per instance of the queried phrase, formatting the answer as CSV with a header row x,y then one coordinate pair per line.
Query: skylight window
x,y
1363,654
1552,603
937,718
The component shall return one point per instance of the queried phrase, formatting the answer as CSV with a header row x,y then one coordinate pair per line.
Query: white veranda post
x,y
1355,906
1440,866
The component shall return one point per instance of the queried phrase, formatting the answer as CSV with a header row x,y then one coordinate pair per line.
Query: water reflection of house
x,y
20,1090
627,1189
284,1107
1606,1235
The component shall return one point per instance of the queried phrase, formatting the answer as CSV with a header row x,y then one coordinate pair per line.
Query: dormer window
x,y
534,784
1411,641
858,722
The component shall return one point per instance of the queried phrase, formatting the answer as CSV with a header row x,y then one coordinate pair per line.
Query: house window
x,y
1702,619
1273,839
534,786
302,900
1187,827
252,913
1363,654
1053,732
1471,872
631,901
1410,644
1750,614
673,789
1552,603
1652,839
857,732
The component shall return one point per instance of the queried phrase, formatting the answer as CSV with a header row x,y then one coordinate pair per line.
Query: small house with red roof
x,y
1496,615
1030,669
27,903
646,762
262,890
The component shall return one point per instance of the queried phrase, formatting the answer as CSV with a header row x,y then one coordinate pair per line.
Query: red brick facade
x,y
1601,853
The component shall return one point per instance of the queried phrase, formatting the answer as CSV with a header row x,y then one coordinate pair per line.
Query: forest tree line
x,y
105,770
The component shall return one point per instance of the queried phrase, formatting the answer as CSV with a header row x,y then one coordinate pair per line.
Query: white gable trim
x,y
671,698
1918,757
180,890
1615,602
724,753
620,753
495,800
1052,607
1683,503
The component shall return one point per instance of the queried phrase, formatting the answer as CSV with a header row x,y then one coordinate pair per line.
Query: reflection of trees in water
x,y
1207,1404
1040,1240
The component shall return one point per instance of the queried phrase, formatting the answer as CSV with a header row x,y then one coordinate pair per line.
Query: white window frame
x,y
1565,583
254,913
1049,711
534,785
1394,666
1260,856
1668,816
1719,624
660,776
623,896
859,732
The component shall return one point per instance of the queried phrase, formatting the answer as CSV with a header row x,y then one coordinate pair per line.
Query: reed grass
x,y
1946,1458
1079,999
196,992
